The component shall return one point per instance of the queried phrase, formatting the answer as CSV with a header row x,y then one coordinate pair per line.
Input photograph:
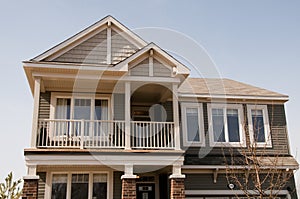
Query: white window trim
x,y
268,138
239,107
199,106
73,96
90,191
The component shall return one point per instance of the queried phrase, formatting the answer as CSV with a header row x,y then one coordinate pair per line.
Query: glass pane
x,y
59,186
80,186
192,124
258,125
62,108
99,186
101,113
233,125
218,125
82,109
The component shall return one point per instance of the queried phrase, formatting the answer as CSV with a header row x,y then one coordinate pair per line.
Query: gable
x,y
150,66
105,42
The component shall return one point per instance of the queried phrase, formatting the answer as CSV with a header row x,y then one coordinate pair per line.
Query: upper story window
x,y
192,124
259,128
226,125
78,108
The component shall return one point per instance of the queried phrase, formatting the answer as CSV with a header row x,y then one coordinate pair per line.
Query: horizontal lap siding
x,y
142,69
44,110
280,145
41,185
91,51
121,47
160,70
205,182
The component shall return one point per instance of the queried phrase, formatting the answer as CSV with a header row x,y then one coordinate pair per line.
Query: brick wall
x,y
177,188
30,189
128,189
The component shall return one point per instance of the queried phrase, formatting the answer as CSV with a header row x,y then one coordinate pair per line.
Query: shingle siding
x,y
160,70
142,69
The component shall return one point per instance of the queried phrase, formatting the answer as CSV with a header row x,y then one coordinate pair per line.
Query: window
x,y
259,128
68,110
79,185
226,125
192,124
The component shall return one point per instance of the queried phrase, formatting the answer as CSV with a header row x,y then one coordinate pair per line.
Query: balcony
x,y
104,134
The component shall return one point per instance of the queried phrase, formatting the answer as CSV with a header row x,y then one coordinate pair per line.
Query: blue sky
x,y
253,41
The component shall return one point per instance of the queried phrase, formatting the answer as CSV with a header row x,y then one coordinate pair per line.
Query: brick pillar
x,y
128,188
177,188
30,187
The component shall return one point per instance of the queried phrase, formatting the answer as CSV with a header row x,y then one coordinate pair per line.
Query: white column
x,y
151,69
127,116
36,106
128,172
176,172
176,117
31,170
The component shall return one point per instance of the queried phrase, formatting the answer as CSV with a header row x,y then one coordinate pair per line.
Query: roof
x,y
225,88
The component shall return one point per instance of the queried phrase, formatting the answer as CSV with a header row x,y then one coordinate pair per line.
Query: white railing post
x,y
81,133
176,117
127,116
36,106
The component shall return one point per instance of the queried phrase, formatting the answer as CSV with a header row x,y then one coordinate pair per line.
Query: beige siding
x,y
41,185
142,69
44,110
121,47
160,70
91,51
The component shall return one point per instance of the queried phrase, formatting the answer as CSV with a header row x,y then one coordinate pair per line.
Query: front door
x,y
145,191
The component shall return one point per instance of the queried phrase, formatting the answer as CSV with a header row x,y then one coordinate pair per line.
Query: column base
x,y
177,188
30,187
128,188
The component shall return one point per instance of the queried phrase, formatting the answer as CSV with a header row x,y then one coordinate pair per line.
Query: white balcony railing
x,y
81,134
156,135
104,134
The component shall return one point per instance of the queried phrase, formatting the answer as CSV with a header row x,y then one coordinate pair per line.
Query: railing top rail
x,y
73,120
149,122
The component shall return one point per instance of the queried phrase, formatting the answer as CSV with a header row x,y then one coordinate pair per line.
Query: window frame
x,y
199,106
268,137
73,96
225,107
90,183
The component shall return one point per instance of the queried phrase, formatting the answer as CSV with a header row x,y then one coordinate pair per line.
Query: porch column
x,y
30,187
128,183
177,183
36,106
176,116
127,116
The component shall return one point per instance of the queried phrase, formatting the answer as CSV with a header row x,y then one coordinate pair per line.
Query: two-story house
x,y
116,117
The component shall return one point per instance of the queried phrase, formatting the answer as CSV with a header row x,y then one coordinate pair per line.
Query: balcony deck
x,y
104,134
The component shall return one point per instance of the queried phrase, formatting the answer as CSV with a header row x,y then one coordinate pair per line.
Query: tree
x,y
10,189
256,171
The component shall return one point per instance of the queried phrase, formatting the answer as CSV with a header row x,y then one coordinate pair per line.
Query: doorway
x,y
145,191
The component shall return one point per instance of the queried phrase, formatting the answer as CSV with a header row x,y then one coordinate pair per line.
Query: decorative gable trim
x,y
178,68
88,33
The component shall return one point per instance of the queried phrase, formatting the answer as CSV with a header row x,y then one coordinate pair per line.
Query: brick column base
x,y
128,188
177,188
30,187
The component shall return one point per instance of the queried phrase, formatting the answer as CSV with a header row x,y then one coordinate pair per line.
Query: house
x,y
116,117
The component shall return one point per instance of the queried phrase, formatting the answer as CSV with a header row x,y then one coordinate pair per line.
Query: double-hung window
x,y
226,125
192,124
259,128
